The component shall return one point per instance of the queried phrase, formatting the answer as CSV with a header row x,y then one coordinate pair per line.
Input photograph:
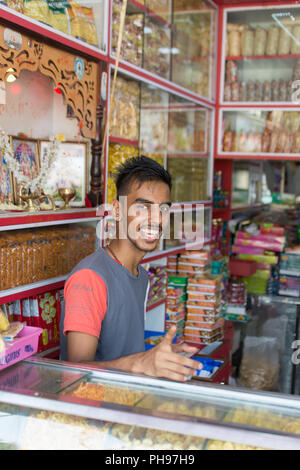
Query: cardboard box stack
x,y
264,248
204,324
175,307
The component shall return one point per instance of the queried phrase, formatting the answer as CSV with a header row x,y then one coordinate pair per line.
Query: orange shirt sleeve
x,y
85,296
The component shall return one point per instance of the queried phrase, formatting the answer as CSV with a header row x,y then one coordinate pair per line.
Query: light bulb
x,y
11,78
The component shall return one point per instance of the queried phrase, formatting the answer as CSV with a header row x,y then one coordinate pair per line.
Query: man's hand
x,y
163,362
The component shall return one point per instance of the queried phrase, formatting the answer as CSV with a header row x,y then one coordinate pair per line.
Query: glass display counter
x,y
52,405
262,54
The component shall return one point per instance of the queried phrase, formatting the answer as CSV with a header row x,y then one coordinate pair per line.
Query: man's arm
x,y
160,361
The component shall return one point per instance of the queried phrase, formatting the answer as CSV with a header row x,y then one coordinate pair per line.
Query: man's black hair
x,y
139,169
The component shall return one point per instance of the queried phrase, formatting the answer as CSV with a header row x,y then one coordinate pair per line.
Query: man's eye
x,y
142,207
165,209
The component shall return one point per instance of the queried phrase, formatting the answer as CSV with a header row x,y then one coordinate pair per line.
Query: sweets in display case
x,y
190,177
31,255
280,134
124,112
156,42
132,39
118,154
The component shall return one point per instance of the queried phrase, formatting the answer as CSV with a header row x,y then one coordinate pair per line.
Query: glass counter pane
x,y
157,44
261,131
154,122
196,405
190,178
188,226
193,48
262,55
125,110
81,19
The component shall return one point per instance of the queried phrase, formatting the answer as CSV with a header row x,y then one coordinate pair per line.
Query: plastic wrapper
x,y
124,114
250,91
17,5
260,41
243,91
235,91
284,42
295,47
37,10
234,41
132,41
267,91
227,141
282,94
231,71
227,92
248,43
272,40
83,23
258,87
260,363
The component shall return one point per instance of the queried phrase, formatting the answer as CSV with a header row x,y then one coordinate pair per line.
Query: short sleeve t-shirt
x,y
85,302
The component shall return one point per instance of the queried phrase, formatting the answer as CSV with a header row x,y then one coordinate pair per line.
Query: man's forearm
x,y
131,363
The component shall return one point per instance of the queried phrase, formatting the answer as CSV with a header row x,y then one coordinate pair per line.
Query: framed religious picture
x,y
25,151
6,183
70,170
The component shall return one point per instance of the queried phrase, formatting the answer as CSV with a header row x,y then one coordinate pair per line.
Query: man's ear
x,y
116,210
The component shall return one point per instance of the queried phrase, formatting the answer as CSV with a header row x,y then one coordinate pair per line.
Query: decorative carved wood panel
x,y
76,77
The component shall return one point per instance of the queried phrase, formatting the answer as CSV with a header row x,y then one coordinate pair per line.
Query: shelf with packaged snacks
x,y
29,290
19,220
260,133
57,25
261,54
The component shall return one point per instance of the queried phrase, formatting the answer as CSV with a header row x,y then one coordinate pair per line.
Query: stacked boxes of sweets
x,y
157,284
172,265
175,308
204,323
194,262
289,272
263,247
42,311
234,308
28,256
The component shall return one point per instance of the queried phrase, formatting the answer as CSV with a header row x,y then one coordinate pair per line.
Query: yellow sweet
x,y
4,323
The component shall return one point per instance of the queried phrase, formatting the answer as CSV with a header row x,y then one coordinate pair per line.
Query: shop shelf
x,y
45,31
120,140
264,57
156,304
29,290
18,220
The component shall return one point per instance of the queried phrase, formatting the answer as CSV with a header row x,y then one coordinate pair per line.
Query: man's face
x,y
147,213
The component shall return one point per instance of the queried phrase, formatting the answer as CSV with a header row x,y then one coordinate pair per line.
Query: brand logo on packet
x,y
12,356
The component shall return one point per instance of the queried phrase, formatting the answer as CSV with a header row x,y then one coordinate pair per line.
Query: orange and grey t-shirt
x,y
103,299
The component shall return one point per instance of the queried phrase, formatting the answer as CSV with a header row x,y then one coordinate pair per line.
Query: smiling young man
x,y
106,293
